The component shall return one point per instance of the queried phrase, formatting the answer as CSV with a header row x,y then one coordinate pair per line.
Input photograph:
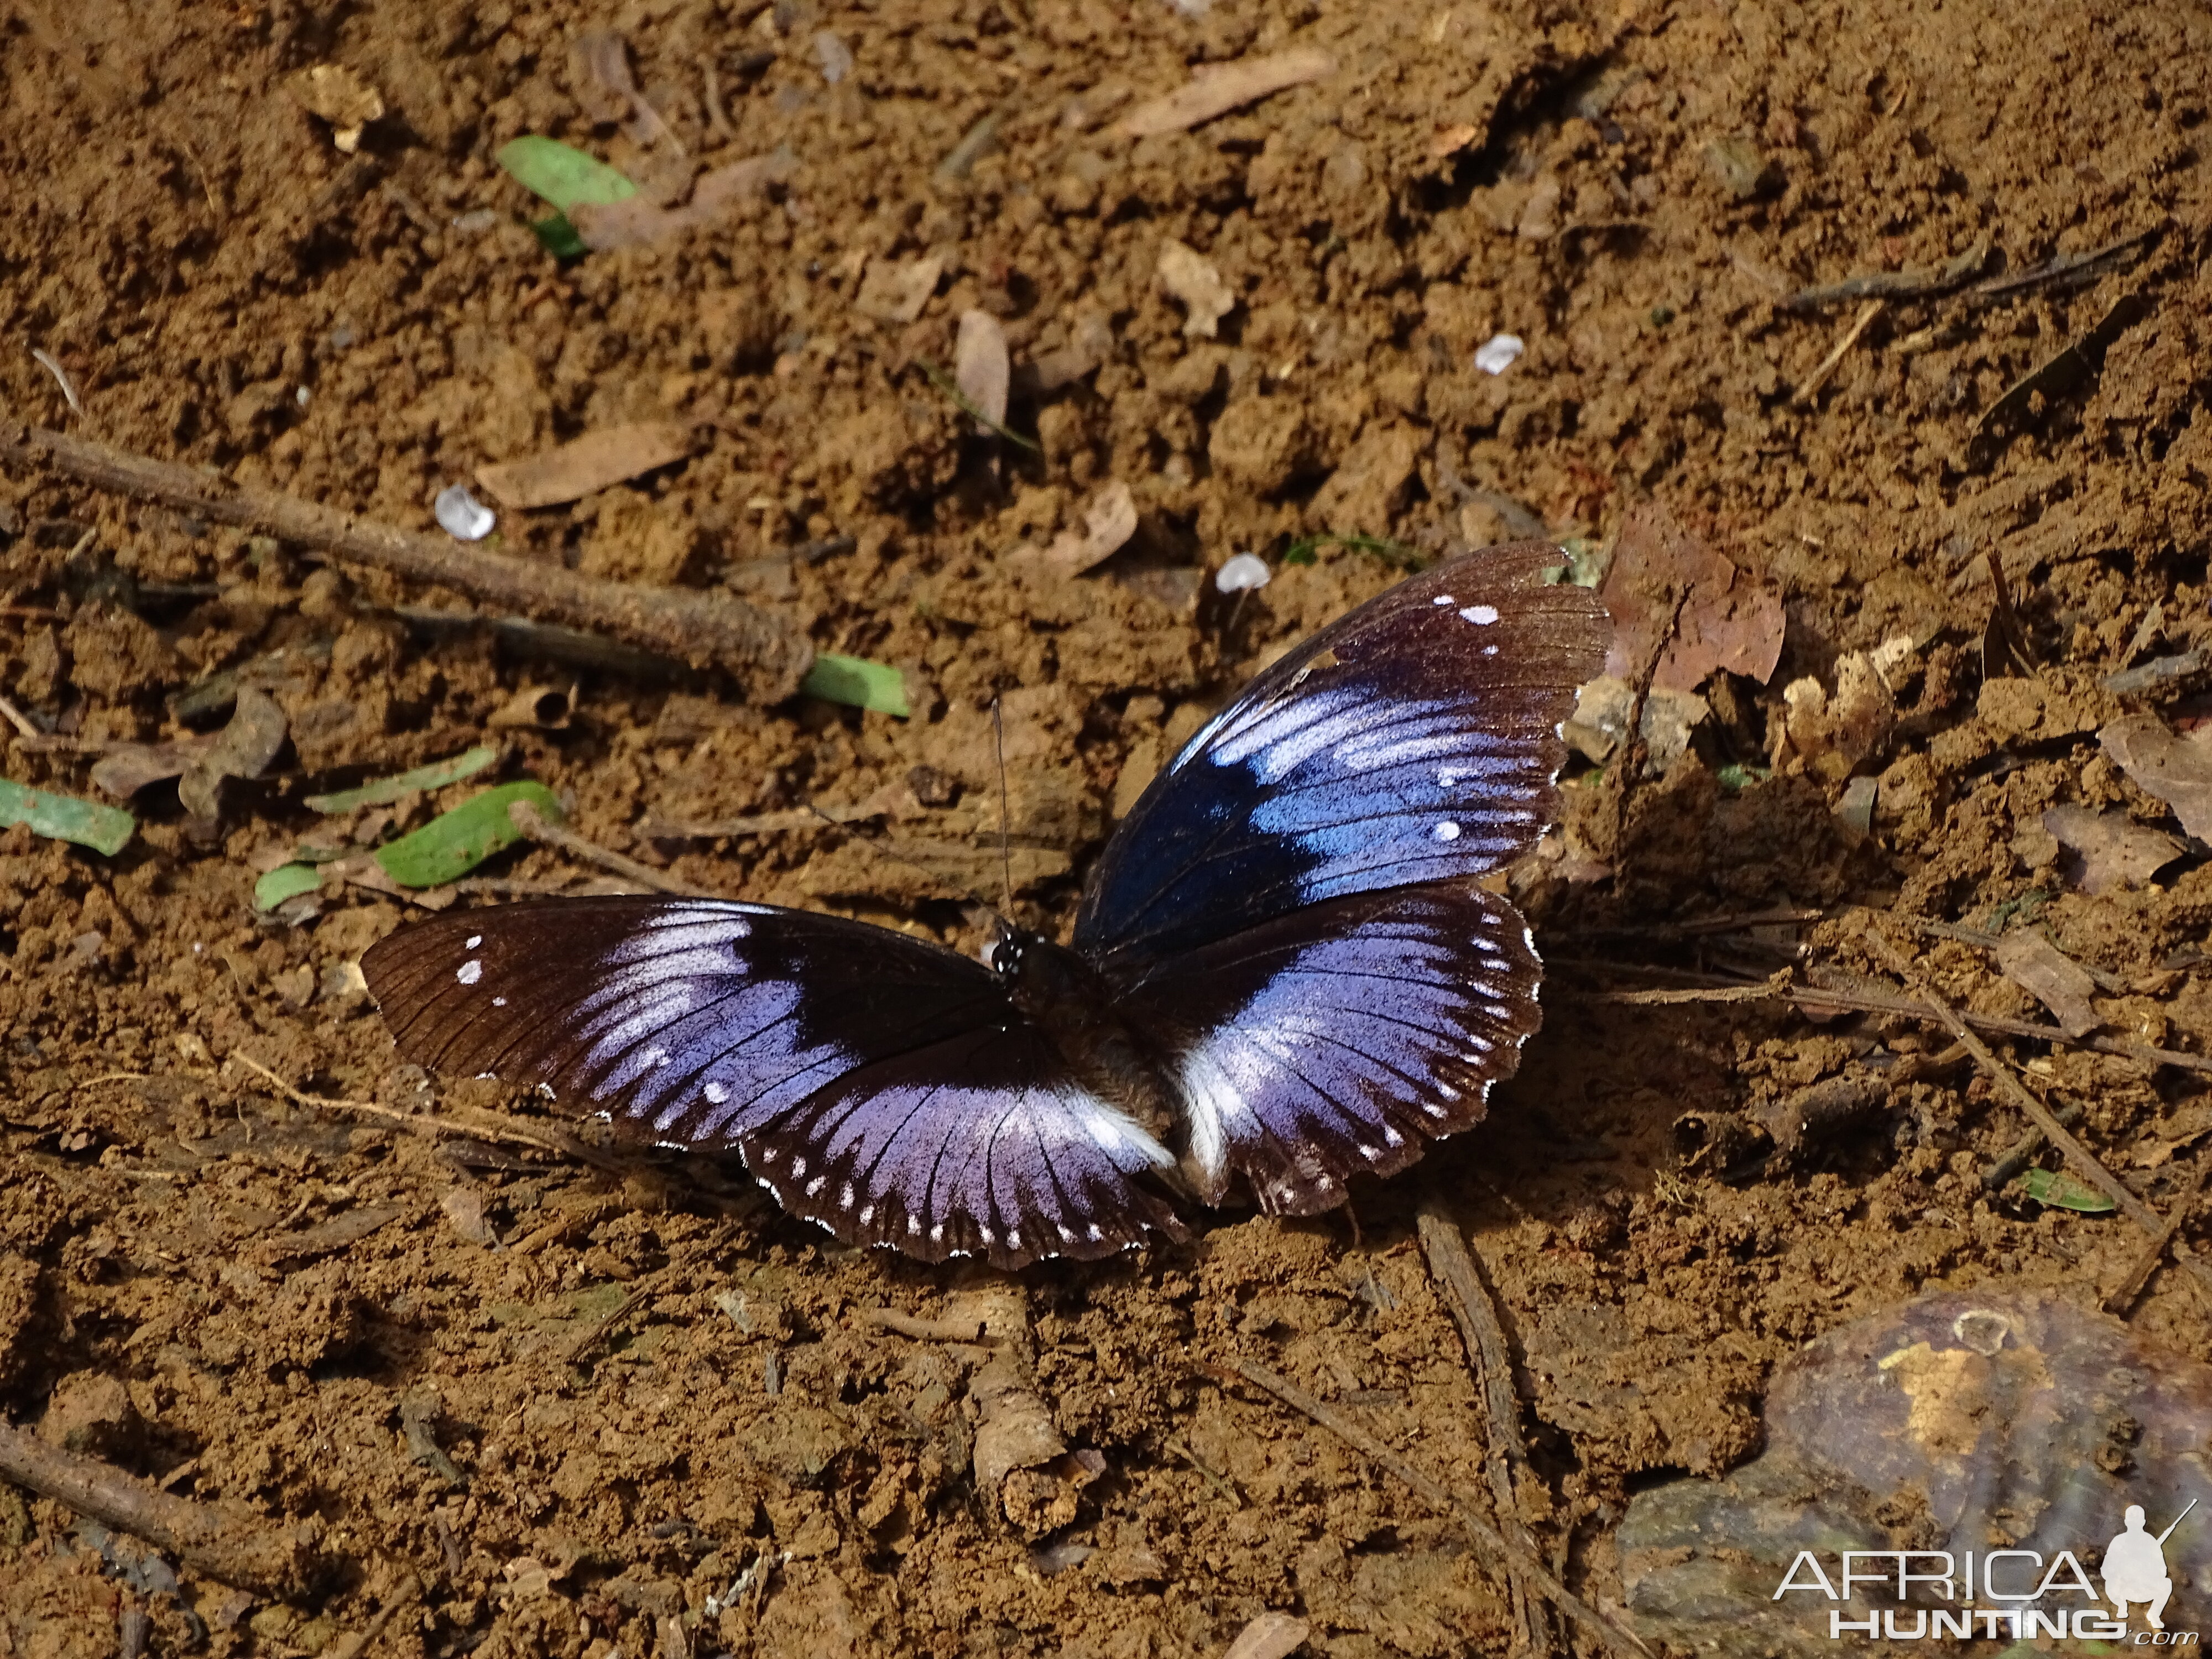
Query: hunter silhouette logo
x,y
2005,1595
2135,1567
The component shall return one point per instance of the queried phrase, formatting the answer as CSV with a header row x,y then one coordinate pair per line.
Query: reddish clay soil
x,y
402,1341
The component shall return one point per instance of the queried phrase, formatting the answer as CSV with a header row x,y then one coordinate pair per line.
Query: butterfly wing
x,y
1414,740
1342,1037
885,1087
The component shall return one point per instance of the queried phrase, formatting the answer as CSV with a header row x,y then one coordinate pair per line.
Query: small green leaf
x,y
286,881
2057,1187
1733,777
1396,555
382,792
564,176
454,843
64,817
857,681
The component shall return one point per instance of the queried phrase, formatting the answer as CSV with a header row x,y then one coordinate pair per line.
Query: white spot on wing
x,y
474,940
1482,615
1446,831
716,1093
469,972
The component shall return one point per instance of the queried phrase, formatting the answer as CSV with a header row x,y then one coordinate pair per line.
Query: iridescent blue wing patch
x,y
1341,1039
886,1087
1415,740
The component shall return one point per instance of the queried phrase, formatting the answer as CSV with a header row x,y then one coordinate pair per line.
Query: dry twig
x,y
535,824
231,1548
1479,1327
1347,1429
766,653
2123,1299
424,1123
1863,321
591,1338
2086,1163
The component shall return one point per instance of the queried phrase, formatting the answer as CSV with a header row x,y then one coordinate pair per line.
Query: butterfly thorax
x,y
1066,999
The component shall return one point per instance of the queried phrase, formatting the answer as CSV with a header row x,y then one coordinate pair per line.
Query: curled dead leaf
x,y
1721,619
2050,976
2107,851
2175,769
896,291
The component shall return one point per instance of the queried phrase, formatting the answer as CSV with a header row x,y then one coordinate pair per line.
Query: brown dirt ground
x,y
1641,189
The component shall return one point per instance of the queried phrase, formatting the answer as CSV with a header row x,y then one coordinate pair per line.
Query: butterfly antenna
x,y
881,842
1006,847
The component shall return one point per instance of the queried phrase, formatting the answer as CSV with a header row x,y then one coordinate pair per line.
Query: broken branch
x,y
766,654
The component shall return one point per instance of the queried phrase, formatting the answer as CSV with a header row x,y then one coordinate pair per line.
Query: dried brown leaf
x,y
637,221
2108,851
980,368
588,464
2053,978
1270,1635
1198,285
896,291
243,748
1726,620
1108,521
127,768
1216,89
2177,769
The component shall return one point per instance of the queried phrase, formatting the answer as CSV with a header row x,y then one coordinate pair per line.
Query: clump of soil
x,y
583,1401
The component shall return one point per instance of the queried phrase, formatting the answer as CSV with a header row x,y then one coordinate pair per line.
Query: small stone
x,y
461,515
1498,353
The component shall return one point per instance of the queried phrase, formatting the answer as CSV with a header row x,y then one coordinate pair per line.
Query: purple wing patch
x,y
1342,1039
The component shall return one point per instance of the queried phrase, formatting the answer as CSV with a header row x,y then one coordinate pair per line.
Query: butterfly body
x,y
1285,970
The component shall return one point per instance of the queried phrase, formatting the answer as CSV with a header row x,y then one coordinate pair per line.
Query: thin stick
x,y
1814,999
766,654
534,824
717,120
2085,1162
22,722
230,1546
1811,389
1348,1429
757,823
591,1338
403,1595
419,1122
2122,1300
52,366
1452,1262
969,1331
2017,1156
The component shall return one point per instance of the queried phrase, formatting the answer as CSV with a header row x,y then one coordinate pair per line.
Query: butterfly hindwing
x,y
949,1120
1415,740
1342,1038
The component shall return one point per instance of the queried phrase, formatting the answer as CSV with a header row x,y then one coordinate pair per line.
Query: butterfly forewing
x,y
1341,1039
1415,740
810,1043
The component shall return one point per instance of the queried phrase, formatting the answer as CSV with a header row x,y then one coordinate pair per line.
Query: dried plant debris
x,y
1194,282
1217,88
718,193
1661,576
337,95
2176,770
1832,734
1110,519
2107,852
2032,961
2005,650
243,748
895,291
608,93
980,368
1606,706
585,465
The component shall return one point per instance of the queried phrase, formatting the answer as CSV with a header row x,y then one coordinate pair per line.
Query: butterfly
x,y
1284,971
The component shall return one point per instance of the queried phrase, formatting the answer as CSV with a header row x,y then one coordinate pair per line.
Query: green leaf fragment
x,y
563,175
2062,1190
1396,555
286,881
857,681
382,792
566,178
1733,777
454,843
64,817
